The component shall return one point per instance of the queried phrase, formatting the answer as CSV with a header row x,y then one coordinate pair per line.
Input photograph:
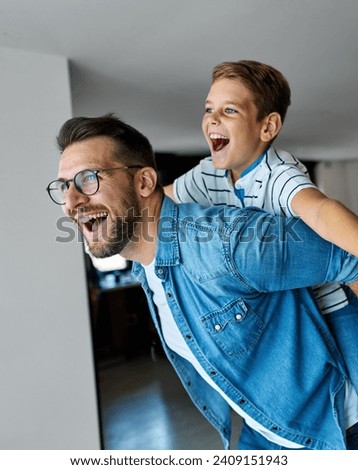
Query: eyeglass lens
x,y
86,182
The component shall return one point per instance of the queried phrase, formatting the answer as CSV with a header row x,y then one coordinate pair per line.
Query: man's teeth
x,y
92,217
92,221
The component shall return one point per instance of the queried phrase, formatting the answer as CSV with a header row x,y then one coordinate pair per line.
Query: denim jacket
x,y
237,282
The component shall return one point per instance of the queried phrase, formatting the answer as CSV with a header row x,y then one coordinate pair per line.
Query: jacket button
x,y
160,271
169,294
238,317
308,441
217,327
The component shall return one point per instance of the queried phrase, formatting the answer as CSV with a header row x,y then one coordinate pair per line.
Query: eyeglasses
x,y
85,181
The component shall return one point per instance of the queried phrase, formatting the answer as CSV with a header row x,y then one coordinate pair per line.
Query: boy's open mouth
x,y
93,221
218,141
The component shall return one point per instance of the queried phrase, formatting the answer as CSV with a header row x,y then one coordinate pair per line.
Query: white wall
x,y
47,391
339,181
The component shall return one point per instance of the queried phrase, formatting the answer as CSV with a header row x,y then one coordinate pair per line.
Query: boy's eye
x,y
225,110
230,111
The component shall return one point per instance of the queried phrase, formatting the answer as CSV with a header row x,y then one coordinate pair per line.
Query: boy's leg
x,y
344,327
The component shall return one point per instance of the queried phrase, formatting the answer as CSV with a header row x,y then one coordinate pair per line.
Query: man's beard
x,y
119,233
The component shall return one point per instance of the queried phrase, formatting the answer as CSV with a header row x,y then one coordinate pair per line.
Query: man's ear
x,y
271,126
145,181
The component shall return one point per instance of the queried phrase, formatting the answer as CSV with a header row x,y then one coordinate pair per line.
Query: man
x,y
226,288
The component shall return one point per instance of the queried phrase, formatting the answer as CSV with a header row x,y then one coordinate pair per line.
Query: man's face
x,y
230,126
107,218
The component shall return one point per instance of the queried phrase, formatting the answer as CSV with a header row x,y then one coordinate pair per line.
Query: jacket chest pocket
x,y
235,328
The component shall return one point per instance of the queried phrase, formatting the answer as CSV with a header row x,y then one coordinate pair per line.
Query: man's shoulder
x,y
218,216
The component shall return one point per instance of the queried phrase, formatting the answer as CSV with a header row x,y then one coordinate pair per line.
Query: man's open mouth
x,y
218,141
93,221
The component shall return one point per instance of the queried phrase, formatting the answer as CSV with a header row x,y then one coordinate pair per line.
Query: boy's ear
x,y
271,126
146,181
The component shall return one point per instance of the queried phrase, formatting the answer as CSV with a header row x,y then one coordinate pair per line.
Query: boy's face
x,y
230,126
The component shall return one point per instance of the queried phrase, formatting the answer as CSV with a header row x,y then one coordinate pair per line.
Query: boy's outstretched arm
x,y
329,218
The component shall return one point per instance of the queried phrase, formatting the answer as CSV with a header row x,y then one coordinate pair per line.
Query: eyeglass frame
x,y
94,171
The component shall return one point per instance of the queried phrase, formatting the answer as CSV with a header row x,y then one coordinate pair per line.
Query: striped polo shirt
x,y
269,183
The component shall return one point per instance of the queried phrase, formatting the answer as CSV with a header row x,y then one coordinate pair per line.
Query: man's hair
x,y
270,89
133,148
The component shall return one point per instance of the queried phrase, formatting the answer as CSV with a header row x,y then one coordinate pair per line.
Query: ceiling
x,y
150,62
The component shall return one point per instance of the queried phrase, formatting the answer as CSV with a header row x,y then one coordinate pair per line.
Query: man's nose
x,y
74,198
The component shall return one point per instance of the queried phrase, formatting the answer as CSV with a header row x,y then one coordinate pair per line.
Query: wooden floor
x,y
144,406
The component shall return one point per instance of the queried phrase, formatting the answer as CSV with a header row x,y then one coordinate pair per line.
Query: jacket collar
x,y
167,252
167,240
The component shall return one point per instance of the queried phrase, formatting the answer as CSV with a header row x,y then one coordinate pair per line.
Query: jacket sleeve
x,y
276,253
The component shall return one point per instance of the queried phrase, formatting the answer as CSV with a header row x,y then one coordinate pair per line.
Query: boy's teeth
x,y
217,136
219,141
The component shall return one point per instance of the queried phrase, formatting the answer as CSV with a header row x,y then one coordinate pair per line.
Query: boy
x,y
245,110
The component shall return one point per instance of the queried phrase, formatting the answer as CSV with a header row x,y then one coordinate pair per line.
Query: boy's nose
x,y
214,118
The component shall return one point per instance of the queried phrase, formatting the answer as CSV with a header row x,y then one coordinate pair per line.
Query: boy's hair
x,y
270,89
133,148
